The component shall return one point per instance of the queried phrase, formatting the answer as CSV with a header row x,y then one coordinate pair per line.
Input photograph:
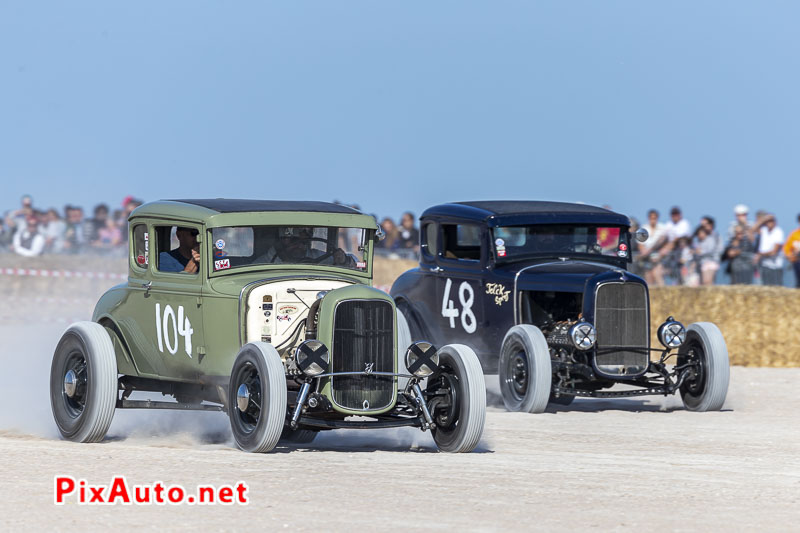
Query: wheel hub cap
x,y
70,383
242,397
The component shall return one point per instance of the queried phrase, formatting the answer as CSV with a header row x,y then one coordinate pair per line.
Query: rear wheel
x,y
525,370
83,383
456,397
705,389
257,398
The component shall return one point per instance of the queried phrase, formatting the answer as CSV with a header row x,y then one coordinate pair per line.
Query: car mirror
x,y
642,235
380,234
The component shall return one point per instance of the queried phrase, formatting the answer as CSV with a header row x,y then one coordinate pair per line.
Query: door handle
x,y
437,269
146,286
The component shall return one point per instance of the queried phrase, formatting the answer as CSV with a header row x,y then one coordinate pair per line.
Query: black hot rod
x,y
541,292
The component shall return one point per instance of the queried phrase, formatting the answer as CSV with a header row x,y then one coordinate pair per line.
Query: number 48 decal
x,y
466,296
183,328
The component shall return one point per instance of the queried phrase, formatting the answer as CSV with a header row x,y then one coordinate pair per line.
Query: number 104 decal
x,y
182,327
466,296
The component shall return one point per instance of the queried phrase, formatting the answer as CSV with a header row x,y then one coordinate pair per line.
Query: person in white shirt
x,y
29,242
676,229
650,250
678,226
769,256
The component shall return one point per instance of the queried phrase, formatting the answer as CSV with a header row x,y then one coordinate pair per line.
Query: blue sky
x,y
403,105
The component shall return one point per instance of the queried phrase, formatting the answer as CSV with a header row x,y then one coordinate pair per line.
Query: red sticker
x,y
140,259
222,264
361,264
501,253
623,246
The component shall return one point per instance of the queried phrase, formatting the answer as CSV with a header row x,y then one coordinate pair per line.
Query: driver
x,y
294,246
184,258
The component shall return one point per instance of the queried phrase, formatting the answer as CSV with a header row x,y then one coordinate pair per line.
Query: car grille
x,y
363,336
621,319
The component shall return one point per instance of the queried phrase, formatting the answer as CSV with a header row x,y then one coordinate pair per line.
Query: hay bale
x,y
759,323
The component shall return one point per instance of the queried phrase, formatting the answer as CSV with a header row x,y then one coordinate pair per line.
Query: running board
x,y
149,404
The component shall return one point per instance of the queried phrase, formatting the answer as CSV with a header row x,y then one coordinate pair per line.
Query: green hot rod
x,y
264,310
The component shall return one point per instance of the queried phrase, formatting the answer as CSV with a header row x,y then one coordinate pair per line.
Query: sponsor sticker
x,y
361,264
499,291
222,264
499,242
622,253
501,253
287,309
141,259
220,244
220,254
281,318
623,247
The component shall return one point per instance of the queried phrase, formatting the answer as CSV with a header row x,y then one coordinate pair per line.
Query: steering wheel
x,y
319,259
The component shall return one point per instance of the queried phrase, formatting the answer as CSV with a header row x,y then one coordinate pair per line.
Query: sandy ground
x,y
605,465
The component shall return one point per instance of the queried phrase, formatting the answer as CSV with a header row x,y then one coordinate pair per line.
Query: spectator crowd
x,y
748,250
29,231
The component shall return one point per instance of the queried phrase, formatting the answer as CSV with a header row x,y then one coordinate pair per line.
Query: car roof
x,y
225,211
229,205
511,212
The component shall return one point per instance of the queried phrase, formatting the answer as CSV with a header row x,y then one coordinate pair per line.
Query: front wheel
x,y
525,370
257,398
707,385
83,383
456,396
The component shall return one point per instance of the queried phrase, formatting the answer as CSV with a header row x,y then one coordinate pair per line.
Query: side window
x,y
429,234
174,247
462,241
141,246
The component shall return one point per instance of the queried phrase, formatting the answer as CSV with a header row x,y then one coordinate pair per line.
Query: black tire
x,y
525,370
298,436
259,369
707,389
460,414
86,350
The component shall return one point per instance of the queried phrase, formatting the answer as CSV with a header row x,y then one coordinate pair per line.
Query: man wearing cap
x,y
792,251
740,213
769,256
29,242
184,258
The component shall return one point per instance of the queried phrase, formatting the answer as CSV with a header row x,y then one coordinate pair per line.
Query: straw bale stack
x,y
760,324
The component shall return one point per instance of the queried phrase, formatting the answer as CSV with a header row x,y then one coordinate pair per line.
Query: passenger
x,y
184,258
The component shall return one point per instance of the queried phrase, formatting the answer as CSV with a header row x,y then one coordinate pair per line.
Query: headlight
x,y
583,335
671,333
312,358
422,359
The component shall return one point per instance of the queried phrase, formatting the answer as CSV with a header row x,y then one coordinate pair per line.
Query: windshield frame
x,y
367,243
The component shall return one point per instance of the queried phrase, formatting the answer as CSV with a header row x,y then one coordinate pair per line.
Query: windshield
x,y
511,242
288,245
